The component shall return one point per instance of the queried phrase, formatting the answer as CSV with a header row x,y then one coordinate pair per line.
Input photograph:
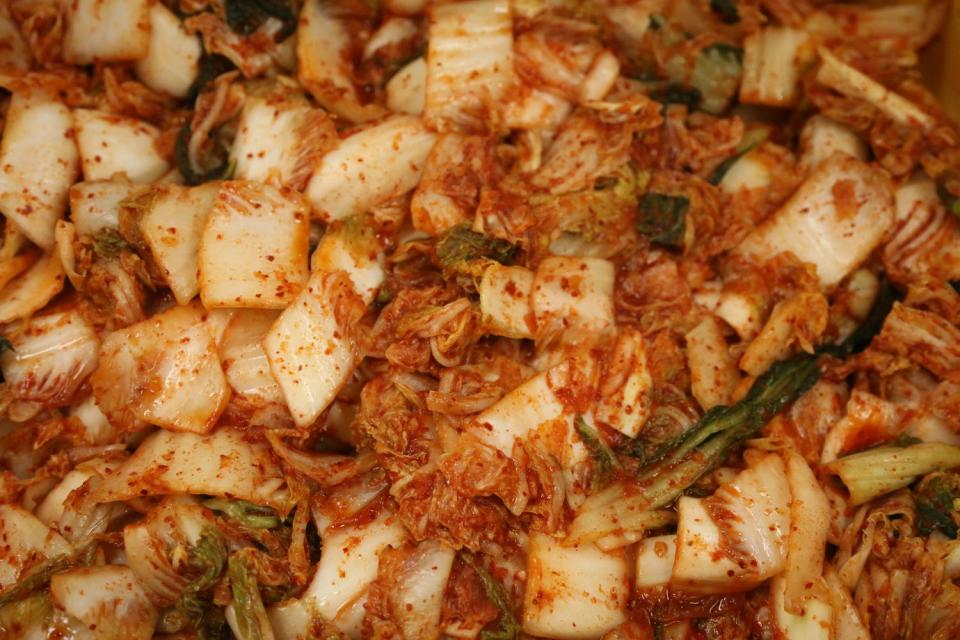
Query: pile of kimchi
x,y
483,319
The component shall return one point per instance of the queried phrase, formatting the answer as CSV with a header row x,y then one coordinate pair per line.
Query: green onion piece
x,y
662,218
508,628
246,513
604,457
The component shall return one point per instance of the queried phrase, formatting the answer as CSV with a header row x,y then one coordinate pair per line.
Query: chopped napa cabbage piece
x,y
924,337
323,45
349,180
171,226
243,357
252,54
392,32
744,170
743,312
800,319
737,538
353,495
107,599
310,347
505,301
847,622
772,61
96,428
951,568
51,509
822,137
807,541
926,237
534,411
66,250
900,23
81,520
405,7
679,630
14,53
626,407
881,470
581,154
106,31
834,220
17,265
813,622
655,557
152,546
930,428
95,205
749,172
279,141
601,76
353,248
173,55
253,250
40,161
469,61
713,371
853,83
442,198
614,519
418,599
708,296
12,260
222,463
917,205
847,433
164,370
915,199
754,175
630,21
573,592
32,290
574,292
111,145
407,89
700,559
26,543
518,414
53,355
348,564
531,109
194,390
